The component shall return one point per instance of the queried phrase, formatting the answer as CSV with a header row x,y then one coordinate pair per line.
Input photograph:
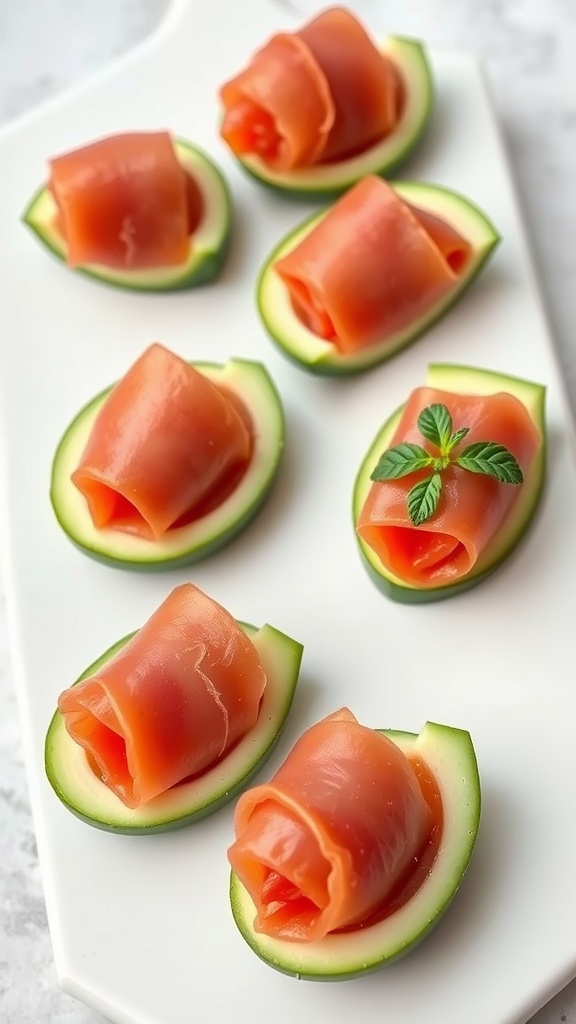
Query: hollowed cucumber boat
x,y
472,381
182,545
208,244
386,157
86,796
449,755
312,353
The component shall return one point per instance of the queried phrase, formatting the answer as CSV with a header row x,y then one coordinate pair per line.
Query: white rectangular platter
x,y
141,928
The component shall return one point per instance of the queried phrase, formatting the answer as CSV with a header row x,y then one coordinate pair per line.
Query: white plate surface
x,y
141,927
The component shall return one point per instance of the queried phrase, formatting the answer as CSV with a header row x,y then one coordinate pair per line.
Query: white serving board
x,y
141,927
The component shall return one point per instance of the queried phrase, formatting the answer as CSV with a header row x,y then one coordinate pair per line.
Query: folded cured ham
x,y
171,702
163,445
125,202
318,95
472,507
372,266
324,844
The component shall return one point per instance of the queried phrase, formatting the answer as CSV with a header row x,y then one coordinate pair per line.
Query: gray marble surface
x,y
528,47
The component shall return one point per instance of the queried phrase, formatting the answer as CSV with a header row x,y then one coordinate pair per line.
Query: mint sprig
x,y
436,426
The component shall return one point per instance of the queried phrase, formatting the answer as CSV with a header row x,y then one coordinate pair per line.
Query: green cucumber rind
x,y
201,549
180,278
404,594
412,60
145,822
333,959
335,364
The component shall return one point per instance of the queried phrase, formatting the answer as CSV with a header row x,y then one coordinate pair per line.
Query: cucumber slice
x,y
314,354
86,796
461,380
450,756
253,384
384,158
208,246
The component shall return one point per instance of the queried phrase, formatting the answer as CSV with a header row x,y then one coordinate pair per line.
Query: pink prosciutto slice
x,y
172,702
371,267
125,202
326,842
318,95
472,507
166,441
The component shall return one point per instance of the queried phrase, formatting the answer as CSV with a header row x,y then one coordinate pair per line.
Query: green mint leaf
x,y
491,460
456,437
423,499
435,424
400,461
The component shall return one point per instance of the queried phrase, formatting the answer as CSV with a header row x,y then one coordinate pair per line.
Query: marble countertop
x,y
528,47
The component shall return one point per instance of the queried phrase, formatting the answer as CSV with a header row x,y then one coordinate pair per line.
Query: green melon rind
x,y
89,798
385,158
450,756
253,384
208,249
460,380
313,354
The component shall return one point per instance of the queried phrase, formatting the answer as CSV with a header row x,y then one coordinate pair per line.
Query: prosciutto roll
x,y
325,842
318,95
164,441
171,702
371,267
472,507
125,202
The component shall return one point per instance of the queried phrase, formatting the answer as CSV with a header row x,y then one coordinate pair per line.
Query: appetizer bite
x,y
170,463
349,856
451,482
169,723
138,210
317,109
358,282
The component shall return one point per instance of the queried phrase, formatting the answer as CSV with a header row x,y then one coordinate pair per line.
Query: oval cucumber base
x,y
385,158
450,756
315,355
208,247
252,383
87,797
474,381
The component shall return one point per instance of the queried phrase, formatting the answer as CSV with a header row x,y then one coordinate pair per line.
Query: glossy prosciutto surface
x,y
165,443
317,95
125,202
172,702
324,844
372,266
472,506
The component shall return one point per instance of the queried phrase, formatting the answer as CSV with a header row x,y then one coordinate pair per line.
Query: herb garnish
x,y
435,424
